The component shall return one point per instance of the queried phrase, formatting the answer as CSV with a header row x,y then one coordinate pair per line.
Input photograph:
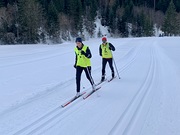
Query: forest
x,y
39,21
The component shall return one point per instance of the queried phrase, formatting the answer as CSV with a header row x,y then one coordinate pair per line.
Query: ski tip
x,y
84,93
62,106
86,96
72,100
91,92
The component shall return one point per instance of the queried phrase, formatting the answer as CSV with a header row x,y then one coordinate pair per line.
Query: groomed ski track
x,y
132,107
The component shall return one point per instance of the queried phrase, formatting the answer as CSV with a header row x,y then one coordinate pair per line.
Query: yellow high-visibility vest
x,y
106,52
82,60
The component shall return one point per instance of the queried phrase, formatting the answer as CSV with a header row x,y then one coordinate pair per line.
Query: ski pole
x,y
90,75
94,87
115,66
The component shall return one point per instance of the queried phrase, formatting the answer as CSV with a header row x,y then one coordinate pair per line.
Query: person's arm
x,y
100,51
111,47
75,61
87,54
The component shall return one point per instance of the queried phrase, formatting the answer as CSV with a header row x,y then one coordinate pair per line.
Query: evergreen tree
x,y
178,24
89,13
2,3
170,26
128,13
59,4
76,15
44,4
7,30
122,28
52,14
177,5
30,20
53,23
163,5
112,18
140,22
92,5
147,27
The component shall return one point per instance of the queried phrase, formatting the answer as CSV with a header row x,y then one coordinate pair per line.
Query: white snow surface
x,y
35,80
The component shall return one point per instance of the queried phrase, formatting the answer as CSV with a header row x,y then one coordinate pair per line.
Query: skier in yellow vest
x,y
105,51
82,62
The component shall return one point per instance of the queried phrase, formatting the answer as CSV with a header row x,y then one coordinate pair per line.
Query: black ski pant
x,y
104,62
79,71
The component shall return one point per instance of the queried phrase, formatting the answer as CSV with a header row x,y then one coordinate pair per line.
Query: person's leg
x,y
78,77
110,61
88,74
104,62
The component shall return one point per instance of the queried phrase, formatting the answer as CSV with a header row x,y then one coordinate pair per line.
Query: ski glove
x,y
88,55
83,53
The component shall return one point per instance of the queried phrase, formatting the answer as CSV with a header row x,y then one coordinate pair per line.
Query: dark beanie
x,y
78,39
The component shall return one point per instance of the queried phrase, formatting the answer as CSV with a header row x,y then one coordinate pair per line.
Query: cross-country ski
x,y
101,82
72,100
91,92
111,79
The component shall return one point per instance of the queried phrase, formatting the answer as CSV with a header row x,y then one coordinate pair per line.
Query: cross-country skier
x,y
105,51
82,62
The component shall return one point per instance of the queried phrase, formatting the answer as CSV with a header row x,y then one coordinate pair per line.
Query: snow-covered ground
x,y
36,79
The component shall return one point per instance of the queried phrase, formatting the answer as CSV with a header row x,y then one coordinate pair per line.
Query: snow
x,y
36,79
99,28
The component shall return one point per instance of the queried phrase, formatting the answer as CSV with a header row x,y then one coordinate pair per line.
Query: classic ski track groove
x,y
44,120
34,60
57,113
124,122
40,95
